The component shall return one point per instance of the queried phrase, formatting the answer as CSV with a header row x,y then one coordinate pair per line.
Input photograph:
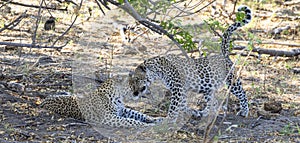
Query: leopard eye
x,y
143,88
136,93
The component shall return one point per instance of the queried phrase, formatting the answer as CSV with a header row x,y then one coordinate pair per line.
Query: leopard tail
x,y
226,36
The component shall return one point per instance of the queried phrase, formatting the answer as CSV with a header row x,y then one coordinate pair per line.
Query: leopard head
x,y
139,81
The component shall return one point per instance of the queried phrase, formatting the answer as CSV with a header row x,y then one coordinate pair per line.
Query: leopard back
x,y
202,75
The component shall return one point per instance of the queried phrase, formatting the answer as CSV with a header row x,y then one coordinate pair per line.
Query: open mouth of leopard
x,y
141,93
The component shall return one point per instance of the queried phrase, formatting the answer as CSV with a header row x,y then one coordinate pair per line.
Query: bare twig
x,y
33,6
233,10
5,3
37,23
15,22
104,3
68,1
100,7
187,13
31,46
48,9
79,7
204,6
156,28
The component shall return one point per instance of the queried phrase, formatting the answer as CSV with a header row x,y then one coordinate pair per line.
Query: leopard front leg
x,y
129,113
178,102
114,120
237,89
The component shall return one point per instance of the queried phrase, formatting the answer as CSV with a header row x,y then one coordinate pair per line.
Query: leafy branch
x,y
181,36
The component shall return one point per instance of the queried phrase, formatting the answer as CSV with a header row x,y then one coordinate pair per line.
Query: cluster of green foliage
x,y
173,26
182,36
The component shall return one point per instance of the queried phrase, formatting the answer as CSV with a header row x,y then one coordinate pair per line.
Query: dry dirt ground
x,y
27,76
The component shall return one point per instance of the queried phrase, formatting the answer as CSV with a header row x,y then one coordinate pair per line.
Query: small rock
x,y
273,106
45,60
131,52
142,48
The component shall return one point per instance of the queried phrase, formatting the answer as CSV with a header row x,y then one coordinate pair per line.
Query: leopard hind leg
x,y
236,89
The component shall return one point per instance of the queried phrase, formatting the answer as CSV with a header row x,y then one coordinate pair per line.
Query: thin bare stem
x,y
37,23
187,13
79,7
33,6
48,9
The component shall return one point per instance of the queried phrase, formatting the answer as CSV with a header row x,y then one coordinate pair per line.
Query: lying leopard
x,y
202,75
104,106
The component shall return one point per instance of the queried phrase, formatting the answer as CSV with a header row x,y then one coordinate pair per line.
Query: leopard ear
x,y
131,73
142,67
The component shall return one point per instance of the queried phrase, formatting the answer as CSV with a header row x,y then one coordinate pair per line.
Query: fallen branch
x,y
280,29
277,16
272,52
33,6
272,43
31,45
288,3
244,54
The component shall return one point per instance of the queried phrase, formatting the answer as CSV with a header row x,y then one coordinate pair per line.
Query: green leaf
x,y
240,16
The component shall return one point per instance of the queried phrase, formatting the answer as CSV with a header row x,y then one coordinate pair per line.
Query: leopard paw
x,y
243,113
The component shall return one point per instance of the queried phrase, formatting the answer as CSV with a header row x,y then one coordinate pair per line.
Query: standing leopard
x,y
202,75
103,107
